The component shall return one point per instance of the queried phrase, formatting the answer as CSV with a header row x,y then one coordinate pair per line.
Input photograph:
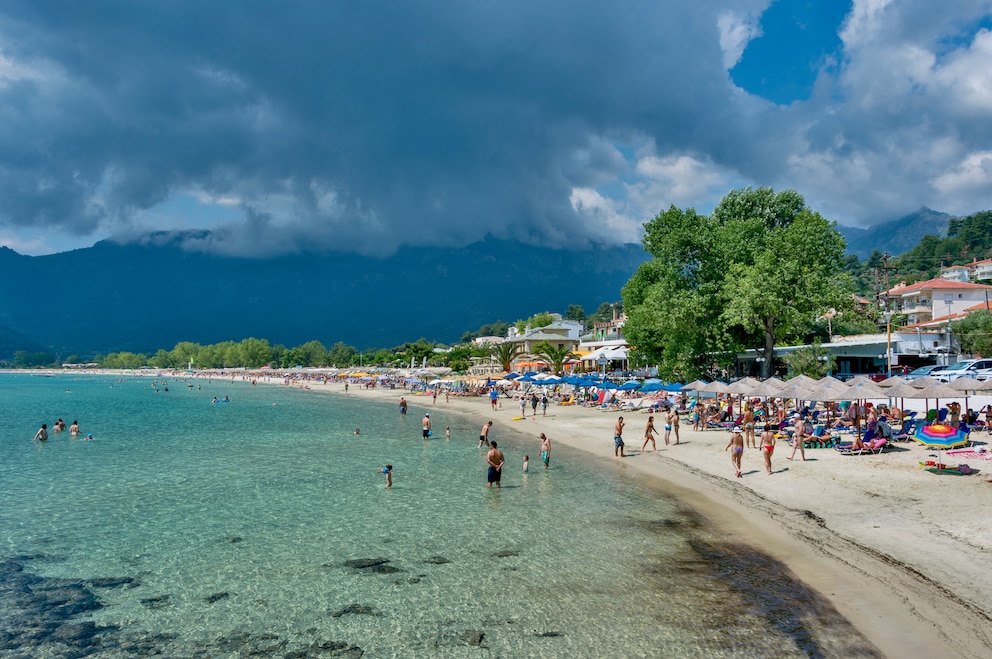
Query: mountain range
x,y
896,236
152,294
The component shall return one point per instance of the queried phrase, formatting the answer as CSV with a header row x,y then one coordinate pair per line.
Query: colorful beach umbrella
x,y
938,435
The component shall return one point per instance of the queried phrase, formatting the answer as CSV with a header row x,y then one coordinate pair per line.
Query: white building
x,y
929,303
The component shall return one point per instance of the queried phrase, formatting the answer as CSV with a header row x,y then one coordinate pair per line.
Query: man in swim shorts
x,y
495,461
403,405
618,439
484,434
737,444
545,450
426,425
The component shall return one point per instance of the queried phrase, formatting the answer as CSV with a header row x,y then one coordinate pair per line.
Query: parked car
x,y
984,374
967,368
921,372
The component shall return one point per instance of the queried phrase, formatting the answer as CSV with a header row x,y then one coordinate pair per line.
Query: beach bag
x,y
964,469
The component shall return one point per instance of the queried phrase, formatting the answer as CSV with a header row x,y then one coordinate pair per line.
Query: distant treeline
x,y
255,353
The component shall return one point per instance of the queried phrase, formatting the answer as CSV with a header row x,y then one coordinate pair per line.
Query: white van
x,y
967,368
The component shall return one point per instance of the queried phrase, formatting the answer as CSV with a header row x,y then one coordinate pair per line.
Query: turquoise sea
x,y
192,529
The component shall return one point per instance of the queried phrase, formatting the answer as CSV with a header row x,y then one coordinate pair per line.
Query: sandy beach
x,y
901,552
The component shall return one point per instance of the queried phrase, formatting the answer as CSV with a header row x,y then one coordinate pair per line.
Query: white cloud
x,y
973,173
604,216
218,200
967,76
736,31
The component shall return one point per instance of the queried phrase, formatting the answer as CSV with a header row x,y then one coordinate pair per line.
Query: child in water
x,y
526,461
388,471
447,433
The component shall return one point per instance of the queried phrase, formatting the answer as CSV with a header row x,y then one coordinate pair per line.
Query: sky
x,y
283,127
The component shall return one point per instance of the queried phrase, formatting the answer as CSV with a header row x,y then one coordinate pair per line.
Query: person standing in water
x,y
495,461
545,450
403,405
74,428
42,434
425,424
388,471
484,434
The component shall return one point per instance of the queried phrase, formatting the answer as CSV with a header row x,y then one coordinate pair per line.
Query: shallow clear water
x,y
235,522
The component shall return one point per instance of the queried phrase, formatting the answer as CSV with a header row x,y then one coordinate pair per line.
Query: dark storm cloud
x,y
349,124
365,125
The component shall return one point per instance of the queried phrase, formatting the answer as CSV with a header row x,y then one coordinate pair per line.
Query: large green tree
x,y
755,272
975,333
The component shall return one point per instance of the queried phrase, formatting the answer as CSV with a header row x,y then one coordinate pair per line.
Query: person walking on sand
x,y
668,425
544,405
618,439
495,461
673,421
523,406
649,433
545,450
533,404
484,434
425,424
42,434
799,439
736,443
494,397
767,447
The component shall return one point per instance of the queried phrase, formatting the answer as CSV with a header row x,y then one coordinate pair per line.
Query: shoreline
x,y
902,554
804,516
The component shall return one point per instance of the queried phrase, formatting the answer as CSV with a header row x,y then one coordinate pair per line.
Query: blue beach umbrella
x,y
606,384
651,387
630,385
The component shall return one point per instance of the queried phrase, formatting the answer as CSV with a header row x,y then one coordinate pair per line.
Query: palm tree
x,y
554,357
505,353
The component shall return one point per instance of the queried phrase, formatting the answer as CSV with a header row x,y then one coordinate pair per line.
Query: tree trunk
x,y
769,349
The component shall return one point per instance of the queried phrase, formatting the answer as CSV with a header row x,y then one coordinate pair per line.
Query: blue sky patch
x,y
797,38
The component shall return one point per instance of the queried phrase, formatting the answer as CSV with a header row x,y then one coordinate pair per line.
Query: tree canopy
x,y
975,332
759,270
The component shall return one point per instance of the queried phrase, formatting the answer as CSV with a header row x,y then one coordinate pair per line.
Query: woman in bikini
x,y
767,447
736,443
749,439
649,434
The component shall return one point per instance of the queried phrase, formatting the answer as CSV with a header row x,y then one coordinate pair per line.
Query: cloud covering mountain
x,y
367,126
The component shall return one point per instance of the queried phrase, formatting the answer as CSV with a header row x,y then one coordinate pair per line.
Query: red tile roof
x,y
937,284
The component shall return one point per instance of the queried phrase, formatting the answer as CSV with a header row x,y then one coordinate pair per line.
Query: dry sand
x,y
902,553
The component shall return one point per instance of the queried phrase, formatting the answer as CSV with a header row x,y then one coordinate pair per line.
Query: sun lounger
x,y
873,447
